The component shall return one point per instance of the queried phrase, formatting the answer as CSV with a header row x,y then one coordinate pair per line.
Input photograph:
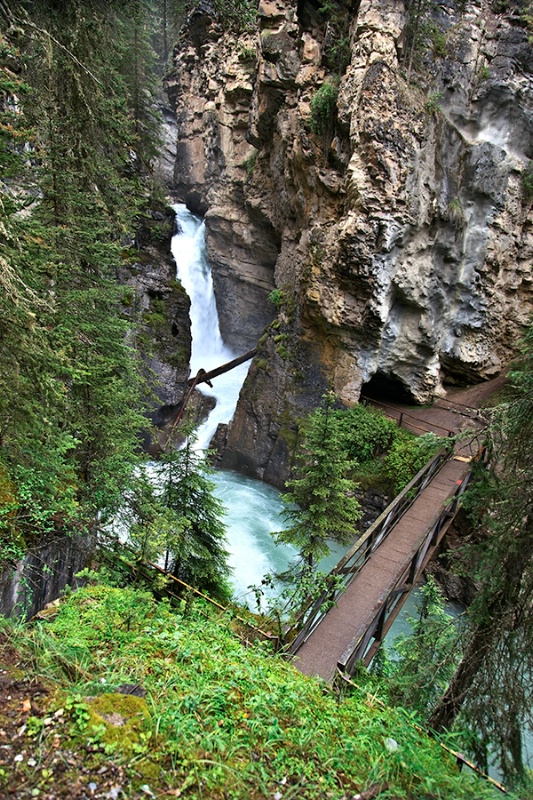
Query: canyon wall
x,y
377,174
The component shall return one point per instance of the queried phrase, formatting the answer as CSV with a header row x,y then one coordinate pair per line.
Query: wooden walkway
x,y
387,574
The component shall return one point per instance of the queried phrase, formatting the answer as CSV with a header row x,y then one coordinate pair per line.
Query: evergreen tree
x,y
71,149
425,660
321,502
188,521
492,689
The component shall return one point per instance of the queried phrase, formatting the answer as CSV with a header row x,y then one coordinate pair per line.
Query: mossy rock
x,y
124,717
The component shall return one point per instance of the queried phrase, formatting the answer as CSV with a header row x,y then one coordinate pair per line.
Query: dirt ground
x,y
45,765
461,410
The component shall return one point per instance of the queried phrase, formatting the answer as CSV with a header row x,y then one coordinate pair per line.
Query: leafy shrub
x,y
324,108
407,456
249,164
456,213
366,432
432,105
276,297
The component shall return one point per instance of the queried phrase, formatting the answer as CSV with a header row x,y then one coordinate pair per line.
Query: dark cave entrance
x,y
387,389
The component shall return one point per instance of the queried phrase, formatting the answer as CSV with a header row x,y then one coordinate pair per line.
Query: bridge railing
x,y
359,649
349,566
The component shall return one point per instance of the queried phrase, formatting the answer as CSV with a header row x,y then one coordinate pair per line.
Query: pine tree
x,y
321,504
491,692
70,399
189,521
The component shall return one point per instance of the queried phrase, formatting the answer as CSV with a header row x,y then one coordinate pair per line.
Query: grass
x,y
222,721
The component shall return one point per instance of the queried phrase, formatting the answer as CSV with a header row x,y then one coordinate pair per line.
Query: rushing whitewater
x,y
253,509
208,349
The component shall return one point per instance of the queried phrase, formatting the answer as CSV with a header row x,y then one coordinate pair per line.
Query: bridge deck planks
x,y
357,607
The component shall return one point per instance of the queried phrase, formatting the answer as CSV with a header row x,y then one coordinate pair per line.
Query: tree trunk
x,y
445,712
516,562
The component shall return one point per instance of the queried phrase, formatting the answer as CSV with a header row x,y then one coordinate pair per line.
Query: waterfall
x,y
208,349
253,509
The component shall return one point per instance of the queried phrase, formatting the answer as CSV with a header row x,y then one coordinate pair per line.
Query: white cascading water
x,y
208,349
253,509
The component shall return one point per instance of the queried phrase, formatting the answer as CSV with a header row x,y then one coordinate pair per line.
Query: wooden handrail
x,y
353,561
357,649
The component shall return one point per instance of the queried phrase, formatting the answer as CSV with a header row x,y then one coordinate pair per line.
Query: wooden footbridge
x,y
371,582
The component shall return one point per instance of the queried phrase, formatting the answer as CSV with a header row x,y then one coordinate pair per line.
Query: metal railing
x,y
352,562
358,650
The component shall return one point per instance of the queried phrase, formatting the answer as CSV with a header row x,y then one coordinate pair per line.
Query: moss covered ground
x,y
117,696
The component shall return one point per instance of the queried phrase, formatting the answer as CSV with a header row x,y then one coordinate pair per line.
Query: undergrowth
x,y
223,721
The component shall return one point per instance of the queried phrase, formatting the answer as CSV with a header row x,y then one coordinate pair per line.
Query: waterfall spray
x,y
208,349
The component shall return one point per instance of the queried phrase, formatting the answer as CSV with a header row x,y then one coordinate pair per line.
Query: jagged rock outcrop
x,y
151,290
398,229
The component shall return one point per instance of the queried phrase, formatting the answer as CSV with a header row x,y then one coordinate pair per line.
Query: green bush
x,y
407,456
276,297
324,108
432,105
366,432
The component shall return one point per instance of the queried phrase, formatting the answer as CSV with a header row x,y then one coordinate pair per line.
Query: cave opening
x,y
387,389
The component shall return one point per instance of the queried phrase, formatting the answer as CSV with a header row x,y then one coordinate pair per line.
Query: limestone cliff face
x,y
152,291
399,234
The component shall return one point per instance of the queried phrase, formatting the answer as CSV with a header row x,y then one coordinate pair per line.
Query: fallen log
x,y
204,377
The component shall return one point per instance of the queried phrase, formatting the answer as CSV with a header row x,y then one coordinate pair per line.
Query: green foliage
x,y
456,212
249,164
491,695
423,662
246,53
167,18
172,514
379,448
324,108
321,504
225,720
302,585
276,297
438,41
366,432
522,8
336,49
78,135
432,105
407,456
237,15
422,34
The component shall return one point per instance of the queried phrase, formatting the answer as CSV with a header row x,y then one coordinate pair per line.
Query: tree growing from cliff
x,y
491,692
422,34
321,503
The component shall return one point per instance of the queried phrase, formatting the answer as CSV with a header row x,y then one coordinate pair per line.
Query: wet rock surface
x,y
400,234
